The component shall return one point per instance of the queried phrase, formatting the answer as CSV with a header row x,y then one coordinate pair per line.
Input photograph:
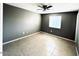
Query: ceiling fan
x,y
44,7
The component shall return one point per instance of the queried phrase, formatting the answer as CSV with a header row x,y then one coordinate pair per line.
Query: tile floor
x,y
41,44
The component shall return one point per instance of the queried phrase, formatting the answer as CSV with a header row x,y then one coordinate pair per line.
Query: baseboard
x,y
34,34
60,37
66,39
19,38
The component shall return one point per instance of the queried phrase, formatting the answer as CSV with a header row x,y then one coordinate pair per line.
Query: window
x,y
55,22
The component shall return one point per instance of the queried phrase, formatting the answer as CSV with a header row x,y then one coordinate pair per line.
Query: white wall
x,y
77,31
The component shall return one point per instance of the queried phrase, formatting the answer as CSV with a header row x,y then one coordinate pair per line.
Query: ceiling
x,y
57,7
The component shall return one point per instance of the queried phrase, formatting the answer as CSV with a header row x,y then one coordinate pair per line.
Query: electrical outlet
x,y
51,30
23,32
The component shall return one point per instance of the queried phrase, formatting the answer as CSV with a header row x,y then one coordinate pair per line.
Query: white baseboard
x,y
34,34
19,38
66,39
60,37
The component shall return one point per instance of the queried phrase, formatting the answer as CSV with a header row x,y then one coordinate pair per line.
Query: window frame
x,y
54,26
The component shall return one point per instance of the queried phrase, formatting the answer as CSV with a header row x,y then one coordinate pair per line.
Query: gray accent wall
x,y
18,22
68,24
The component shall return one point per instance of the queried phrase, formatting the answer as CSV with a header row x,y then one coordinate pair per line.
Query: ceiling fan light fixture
x,y
45,7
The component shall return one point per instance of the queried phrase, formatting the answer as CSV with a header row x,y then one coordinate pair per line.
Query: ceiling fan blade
x,y
40,6
49,6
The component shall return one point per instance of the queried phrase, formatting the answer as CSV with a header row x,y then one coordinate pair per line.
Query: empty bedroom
x,y
40,29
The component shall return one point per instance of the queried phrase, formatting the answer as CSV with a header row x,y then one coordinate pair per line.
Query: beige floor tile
x,y
41,44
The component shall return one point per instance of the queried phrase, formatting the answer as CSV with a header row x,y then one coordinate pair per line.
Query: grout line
x,y
19,38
